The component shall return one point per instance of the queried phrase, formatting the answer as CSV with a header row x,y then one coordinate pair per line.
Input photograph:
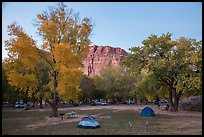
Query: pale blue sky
x,y
118,24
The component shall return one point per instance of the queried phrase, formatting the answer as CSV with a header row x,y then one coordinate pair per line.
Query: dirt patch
x,y
54,121
58,120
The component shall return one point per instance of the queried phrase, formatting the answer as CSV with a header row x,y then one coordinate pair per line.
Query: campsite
x,y
77,68
113,120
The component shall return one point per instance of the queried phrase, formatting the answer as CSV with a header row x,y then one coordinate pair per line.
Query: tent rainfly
x,y
88,122
147,112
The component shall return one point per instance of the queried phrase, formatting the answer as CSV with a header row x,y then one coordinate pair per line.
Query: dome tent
x,y
147,112
88,122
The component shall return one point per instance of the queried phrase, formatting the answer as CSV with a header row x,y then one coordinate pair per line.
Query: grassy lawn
x,y
116,124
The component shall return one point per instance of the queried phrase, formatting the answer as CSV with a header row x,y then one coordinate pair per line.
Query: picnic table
x,y
62,115
71,114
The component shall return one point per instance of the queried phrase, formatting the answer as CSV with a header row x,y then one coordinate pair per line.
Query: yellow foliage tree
x,y
22,59
65,44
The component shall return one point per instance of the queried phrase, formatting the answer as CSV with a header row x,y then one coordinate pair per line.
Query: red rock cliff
x,y
100,57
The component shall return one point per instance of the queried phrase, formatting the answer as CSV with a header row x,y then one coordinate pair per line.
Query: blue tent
x,y
88,122
147,112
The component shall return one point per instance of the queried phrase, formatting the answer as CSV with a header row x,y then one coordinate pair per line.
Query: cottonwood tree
x,y
9,94
18,72
115,82
66,42
148,87
175,64
87,89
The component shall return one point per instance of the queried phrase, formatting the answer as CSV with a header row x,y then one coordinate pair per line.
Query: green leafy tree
x,y
87,89
116,83
148,87
174,64
99,92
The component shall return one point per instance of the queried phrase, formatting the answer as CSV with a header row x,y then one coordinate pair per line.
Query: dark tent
x,y
147,112
88,122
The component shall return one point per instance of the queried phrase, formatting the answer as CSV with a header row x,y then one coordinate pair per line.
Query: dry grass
x,y
112,123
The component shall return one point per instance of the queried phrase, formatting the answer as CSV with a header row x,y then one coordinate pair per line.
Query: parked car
x,y
163,101
102,102
27,107
156,102
92,103
83,103
76,104
124,102
164,104
131,101
20,104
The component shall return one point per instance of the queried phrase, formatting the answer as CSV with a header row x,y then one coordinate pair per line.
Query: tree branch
x,y
46,61
164,80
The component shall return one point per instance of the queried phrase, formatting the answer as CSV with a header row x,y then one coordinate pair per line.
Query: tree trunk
x,y
53,106
170,97
40,102
55,96
175,106
177,98
54,110
41,96
33,104
174,98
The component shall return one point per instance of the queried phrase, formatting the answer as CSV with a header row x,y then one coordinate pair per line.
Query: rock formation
x,y
100,57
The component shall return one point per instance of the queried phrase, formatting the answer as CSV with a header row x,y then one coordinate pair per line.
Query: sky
x,y
117,24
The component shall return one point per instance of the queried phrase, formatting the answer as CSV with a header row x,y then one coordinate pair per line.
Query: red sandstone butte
x,y
100,57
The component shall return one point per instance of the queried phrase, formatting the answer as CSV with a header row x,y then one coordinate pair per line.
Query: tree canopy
x,y
66,40
116,83
175,64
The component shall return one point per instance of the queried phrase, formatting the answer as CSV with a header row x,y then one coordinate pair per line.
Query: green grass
x,y
16,123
